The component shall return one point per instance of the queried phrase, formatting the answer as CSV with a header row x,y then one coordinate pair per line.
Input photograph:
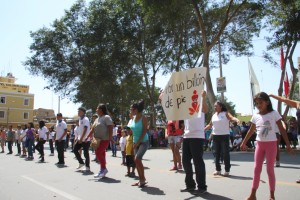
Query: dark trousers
x,y
51,146
60,151
221,145
19,146
192,148
86,147
40,147
9,146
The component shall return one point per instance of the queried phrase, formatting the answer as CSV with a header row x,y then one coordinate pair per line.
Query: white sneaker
x,y
226,174
216,173
51,154
80,166
103,173
97,175
87,169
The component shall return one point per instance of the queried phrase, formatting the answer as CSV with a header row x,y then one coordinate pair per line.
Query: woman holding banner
x,y
220,133
192,148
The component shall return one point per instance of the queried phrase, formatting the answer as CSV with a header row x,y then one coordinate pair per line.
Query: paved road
x,y
20,179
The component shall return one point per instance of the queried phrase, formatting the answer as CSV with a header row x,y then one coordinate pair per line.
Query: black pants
x,y
86,147
221,145
192,148
9,146
40,147
19,146
60,151
51,146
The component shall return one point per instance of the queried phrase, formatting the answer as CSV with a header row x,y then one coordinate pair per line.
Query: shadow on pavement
x,y
288,167
239,177
108,180
209,196
153,190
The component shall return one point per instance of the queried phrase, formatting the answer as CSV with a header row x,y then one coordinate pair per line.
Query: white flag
x,y
253,80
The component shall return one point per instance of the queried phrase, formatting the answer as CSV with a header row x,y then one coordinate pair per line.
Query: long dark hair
x,y
139,105
103,107
265,97
222,105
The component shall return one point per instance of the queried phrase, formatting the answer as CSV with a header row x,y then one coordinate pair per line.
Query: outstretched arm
x,y
289,102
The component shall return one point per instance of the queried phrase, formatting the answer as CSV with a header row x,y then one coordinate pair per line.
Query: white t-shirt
x,y
122,143
237,141
84,122
51,135
220,124
60,130
17,134
76,132
266,126
194,128
43,133
115,131
23,135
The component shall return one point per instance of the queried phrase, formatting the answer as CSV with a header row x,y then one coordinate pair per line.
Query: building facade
x,y
16,103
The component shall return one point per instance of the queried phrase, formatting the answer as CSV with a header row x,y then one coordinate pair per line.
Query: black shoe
x,y
199,192
187,189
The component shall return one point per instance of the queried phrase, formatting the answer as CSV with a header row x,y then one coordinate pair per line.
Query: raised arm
x,y
204,104
231,118
289,102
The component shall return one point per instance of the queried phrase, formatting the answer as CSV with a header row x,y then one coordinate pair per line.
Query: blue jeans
x,y
114,146
192,148
221,145
30,149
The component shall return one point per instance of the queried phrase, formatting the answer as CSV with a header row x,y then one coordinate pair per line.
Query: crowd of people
x,y
266,133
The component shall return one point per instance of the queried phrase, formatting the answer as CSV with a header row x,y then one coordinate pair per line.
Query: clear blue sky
x,y
19,17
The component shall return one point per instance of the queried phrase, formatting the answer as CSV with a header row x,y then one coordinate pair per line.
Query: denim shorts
x,y
174,139
141,150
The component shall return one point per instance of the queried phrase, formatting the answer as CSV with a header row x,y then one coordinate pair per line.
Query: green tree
x,y
232,23
283,24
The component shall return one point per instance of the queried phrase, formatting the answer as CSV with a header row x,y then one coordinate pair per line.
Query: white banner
x,y
181,98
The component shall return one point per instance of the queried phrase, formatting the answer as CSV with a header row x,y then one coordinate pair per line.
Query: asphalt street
x,y
22,180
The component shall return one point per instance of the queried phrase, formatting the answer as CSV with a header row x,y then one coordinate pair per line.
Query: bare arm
x,y
249,134
289,102
208,126
204,104
231,118
284,136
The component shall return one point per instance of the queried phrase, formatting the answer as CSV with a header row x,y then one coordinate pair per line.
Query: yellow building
x,y
16,103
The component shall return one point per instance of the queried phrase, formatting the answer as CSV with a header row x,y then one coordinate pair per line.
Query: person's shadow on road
x,y
108,180
209,196
153,190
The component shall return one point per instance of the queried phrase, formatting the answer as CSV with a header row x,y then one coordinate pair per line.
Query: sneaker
x,y
80,166
217,173
277,164
103,173
199,192
187,189
174,168
179,167
51,154
97,175
87,169
265,162
226,174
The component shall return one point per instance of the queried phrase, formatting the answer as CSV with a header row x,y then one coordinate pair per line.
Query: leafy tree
x,y
283,23
233,23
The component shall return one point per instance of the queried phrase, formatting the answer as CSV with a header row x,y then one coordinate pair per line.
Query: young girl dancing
x,y
265,122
